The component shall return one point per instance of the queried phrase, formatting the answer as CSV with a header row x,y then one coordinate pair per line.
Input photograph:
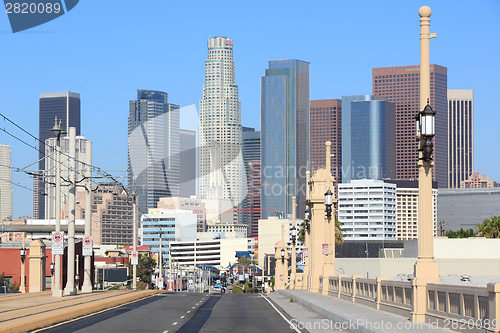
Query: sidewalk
x,y
23,312
356,317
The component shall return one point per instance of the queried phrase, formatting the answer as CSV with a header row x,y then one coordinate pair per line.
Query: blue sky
x,y
105,50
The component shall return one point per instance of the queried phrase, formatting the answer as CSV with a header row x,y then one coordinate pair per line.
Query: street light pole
x,y
22,288
426,269
57,288
70,283
294,235
134,217
87,283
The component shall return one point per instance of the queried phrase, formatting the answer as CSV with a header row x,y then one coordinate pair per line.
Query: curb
x,y
23,327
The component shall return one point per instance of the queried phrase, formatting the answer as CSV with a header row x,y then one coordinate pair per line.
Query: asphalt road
x,y
184,312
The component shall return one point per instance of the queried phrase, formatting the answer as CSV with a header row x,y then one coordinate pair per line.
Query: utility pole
x,y
87,283
134,217
70,284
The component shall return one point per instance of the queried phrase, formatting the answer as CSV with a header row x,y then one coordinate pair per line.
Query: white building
x,y
6,183
217,252
219,230
220,161
173,225
460,136
270,234
407,208
367,209
50,171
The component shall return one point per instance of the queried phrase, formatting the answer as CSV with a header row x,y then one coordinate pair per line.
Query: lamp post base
x,y
57,293
86,288
69,291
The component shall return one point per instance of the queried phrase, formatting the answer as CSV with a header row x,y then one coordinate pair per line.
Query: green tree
x,y
145,268
301,235
490,228
460,233
339,237
245,261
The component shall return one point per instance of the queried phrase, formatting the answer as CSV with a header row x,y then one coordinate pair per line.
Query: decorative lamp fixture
x,y
425,122
282,254
328,203
52,268
22,251
294,234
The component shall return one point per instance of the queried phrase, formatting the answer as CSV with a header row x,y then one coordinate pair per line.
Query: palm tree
x,y
490,228
339,237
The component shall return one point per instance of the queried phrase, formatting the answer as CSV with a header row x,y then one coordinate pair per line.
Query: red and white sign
x,y
305,252
324,249
87,246
281,277
135,257
57,243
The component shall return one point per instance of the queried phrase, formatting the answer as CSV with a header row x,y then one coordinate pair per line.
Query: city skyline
x,y
100,63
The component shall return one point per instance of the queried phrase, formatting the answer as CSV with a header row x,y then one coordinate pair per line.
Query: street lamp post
x,y
134,217
22,252
294,235
87,283
57,287
426,269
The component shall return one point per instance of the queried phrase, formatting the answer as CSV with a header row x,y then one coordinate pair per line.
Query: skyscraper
x,y
153,148
66,107
5,183
284,136
187,163
326,125
460,136
400,85
368,149
220,160
251,158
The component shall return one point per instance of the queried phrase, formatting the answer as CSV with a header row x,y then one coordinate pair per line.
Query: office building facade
x,y
460,136
66,107
284,136
367,210
220,160
5,183
478,181
251,158
153,148
368,148
187,172
401,86
326,125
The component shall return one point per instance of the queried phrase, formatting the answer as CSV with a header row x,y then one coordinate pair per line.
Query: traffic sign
x,y
135,258
87,246
57,242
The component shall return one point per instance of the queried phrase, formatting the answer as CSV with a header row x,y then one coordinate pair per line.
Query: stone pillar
x,y
494,306
37,260
307,237
281,263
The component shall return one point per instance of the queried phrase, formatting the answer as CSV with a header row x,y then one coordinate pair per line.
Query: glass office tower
x,y
153,148
284,136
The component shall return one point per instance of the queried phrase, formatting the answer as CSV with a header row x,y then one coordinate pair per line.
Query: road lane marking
x,y
194,307
175,323
182,317
282,316
188,311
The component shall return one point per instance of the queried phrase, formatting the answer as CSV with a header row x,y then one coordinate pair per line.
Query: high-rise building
x,y
251,158
368,149
153,148
187,163
407,208
478,181
50,170
326,125
66,107
284,136
400,85
5,183
220,160
367,210
460,136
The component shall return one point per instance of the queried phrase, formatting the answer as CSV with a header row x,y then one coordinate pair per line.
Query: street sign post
x,y
57,242
87,246
324,249
135,258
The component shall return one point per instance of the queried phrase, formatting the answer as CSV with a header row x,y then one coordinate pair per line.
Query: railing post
x,y
494,306
378,291
340,285
354,277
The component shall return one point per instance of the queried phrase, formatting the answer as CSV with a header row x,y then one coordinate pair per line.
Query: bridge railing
x,y
460,306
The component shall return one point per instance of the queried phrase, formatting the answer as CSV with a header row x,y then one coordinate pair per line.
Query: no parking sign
x,y
57,242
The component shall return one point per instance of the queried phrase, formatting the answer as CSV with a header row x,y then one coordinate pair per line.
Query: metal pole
x,y
57,288
87,283
22,288
70,284
293,269
160,264
134,269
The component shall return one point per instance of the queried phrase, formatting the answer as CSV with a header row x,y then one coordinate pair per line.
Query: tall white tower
x,y
220,161
6,183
